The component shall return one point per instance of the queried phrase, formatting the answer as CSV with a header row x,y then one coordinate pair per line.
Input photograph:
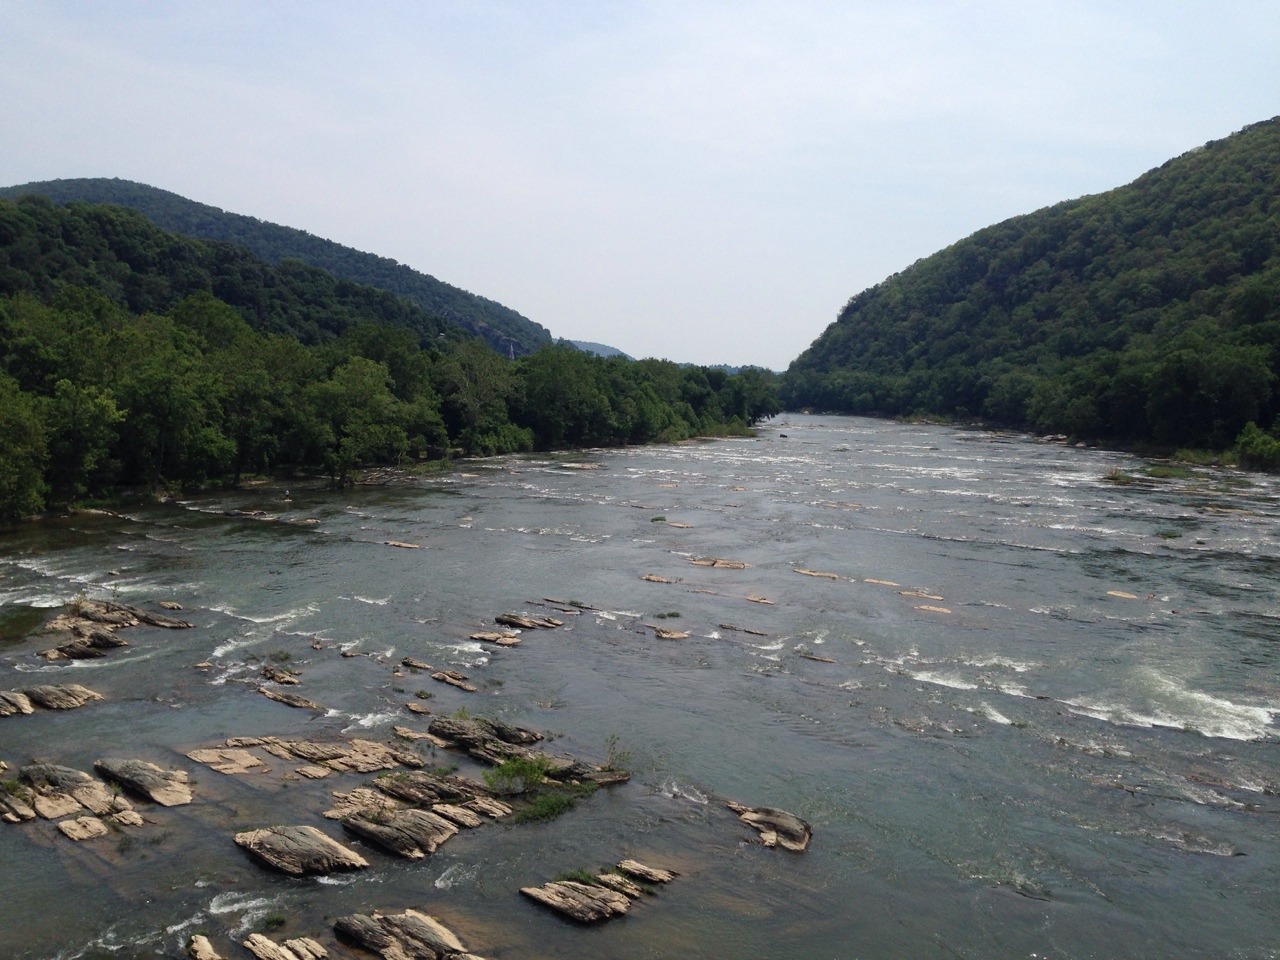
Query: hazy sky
x,y
702,181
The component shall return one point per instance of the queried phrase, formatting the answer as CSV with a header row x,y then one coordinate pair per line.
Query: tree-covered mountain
x,y
45,248
1147,314
507,331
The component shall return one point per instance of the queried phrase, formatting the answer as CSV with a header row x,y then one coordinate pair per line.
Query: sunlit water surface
x,y
1042,721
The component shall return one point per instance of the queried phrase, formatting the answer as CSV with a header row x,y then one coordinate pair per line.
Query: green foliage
x,y
1256,449
548,803
580,875
1147,314
518,774
275,920
616,756
23,453
135,358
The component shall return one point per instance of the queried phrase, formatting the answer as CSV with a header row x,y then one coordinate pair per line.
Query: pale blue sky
x,y
702,181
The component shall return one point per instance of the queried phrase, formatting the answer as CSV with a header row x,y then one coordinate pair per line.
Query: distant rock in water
x,y
777,827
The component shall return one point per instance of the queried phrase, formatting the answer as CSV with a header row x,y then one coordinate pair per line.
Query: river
x,y
1032,714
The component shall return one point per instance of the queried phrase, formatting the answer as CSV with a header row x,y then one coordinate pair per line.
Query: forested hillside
x,y
1148,314
135,358
507,331
45,248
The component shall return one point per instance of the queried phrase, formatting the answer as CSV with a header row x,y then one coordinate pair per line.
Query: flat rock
x,y
456,814
616,881
414,706
503,638
746,630
403,936
201,949
348,756
664,633
89,645
470,732
814,656
719,562
656,578
299,850
492,808
52,806
302,948
644,872
229,760
777,827
455,679
13,702
360,799
527,621
403,545
83,828
414,664
17,803
825,575
409,833
67,696
119,614
586,903
169,788
278,674
89,792
289,699
406,733
419,786
57,791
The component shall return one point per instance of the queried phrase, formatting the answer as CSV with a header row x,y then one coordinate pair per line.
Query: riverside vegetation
x,y
132,357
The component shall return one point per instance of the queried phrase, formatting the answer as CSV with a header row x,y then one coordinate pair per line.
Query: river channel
x,y
1029,712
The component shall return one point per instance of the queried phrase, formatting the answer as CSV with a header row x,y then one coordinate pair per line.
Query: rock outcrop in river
x,y
402,936
300,850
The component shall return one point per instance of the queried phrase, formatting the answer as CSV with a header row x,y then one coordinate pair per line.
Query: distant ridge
x,y
506,331
599,349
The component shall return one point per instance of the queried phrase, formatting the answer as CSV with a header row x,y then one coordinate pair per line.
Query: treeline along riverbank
x,y
130,357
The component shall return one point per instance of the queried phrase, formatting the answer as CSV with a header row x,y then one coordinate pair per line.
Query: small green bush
x,y
1257,449
518,774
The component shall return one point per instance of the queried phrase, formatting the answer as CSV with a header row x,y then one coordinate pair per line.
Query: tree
x,y
22,453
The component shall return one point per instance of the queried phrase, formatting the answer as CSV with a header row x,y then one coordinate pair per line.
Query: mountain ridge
x,y
1150,312
506,330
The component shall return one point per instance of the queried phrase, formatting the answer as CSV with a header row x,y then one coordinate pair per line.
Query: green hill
x,y
506,330
45,248
1147,314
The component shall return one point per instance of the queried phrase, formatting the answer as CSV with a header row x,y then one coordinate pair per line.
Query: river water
x,y
1042,721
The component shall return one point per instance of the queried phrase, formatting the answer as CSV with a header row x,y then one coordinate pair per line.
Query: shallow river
x,y
1033,714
